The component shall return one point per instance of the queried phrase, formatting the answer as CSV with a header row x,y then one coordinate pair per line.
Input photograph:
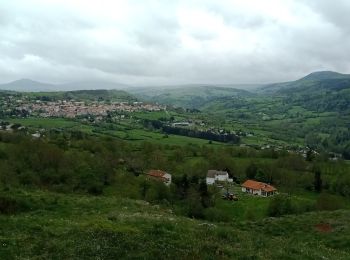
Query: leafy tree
x,y
204,194
251,171
144,187
309,155
195,208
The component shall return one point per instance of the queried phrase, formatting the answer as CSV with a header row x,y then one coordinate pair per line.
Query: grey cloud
x,y
335,12
151,45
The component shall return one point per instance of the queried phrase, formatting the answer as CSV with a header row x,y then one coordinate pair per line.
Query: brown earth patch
x,y
324,227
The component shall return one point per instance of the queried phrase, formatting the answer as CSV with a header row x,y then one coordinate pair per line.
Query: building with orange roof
x,y
159,176
258,188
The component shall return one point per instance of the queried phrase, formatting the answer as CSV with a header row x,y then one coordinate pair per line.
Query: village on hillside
x,y
72,109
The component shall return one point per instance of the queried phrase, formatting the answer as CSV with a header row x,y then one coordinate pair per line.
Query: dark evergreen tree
x,y
251,171
318,180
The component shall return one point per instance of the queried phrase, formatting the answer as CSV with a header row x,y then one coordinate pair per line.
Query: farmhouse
x,y
160,176
217,176
258,188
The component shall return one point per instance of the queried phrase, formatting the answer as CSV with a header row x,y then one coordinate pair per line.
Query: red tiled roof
x,y
255,185
156,173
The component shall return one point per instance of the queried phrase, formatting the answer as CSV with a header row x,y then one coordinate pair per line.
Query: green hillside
x,y
60,226
313,111
92,95
192,96
315,81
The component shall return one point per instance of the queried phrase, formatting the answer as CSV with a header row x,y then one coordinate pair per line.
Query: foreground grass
x,y
58,226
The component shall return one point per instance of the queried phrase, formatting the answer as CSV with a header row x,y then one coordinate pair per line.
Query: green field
x,y
126,132
45,122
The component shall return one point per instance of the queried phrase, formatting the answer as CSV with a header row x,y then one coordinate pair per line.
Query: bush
x,y
11,206
194,206
216,215
300,207
156,192
250,215
280,205
329,202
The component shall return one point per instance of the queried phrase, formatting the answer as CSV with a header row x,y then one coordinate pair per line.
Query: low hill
x,y
92,95
91,85
190,96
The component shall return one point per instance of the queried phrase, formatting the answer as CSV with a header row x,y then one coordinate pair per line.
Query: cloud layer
x,y
172,42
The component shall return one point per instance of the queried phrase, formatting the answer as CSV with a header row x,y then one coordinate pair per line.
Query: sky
x,y
171,42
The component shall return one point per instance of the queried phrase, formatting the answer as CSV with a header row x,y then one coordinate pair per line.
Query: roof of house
x,y
157,174
213,173
256,185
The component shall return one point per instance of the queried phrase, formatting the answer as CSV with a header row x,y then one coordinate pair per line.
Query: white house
x,y
217,176
258,188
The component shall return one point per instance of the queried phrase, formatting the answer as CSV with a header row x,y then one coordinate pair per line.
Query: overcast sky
x,y
172,42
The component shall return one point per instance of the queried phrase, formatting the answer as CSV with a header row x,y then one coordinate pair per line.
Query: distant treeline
x,y
208,135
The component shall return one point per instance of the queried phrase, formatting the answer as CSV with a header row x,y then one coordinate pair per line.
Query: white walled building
x,y
217,176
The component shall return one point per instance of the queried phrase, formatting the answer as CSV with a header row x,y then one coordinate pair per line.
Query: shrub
x,y
250,214
11,206
329,202
300,207
280,205
216,215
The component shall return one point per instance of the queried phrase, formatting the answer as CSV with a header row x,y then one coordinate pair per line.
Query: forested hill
x,y
314,109
316,81
92,95
191,96
319,92
325,91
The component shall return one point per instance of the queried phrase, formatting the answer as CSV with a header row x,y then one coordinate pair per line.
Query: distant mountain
x,y
191,96
321,75
313,81
91,85
97,95
28,85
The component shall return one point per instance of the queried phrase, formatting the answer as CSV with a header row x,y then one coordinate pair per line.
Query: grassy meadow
x,y
71,226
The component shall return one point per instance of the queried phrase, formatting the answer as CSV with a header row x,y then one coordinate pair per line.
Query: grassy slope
x,y
73,226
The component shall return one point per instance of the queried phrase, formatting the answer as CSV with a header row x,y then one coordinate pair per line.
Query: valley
x,y
180,130
80,177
